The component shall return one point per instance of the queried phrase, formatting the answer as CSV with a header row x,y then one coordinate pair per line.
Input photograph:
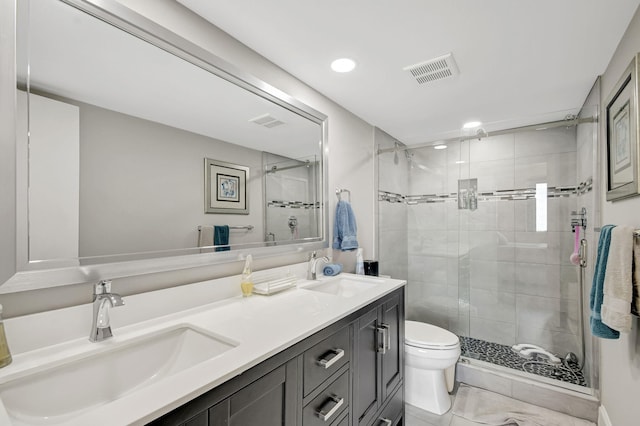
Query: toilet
x,y
430,357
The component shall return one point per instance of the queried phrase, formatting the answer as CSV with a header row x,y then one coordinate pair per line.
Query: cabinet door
x,y
366,367
271,400
393,357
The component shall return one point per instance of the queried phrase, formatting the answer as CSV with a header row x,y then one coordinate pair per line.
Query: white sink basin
x,y
344,286
62,392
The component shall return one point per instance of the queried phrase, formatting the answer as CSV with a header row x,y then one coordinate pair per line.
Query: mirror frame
x,y
46,274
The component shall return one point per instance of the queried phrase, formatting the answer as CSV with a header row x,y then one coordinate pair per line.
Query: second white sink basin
x,y
65,391
344,286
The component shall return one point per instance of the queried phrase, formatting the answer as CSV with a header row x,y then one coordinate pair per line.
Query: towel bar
x,y
339,191
247,227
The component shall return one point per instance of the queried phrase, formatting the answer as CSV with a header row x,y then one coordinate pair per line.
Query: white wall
x,y
351,155
620,359
153,174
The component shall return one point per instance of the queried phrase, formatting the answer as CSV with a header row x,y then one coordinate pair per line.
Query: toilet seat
x,y
427,336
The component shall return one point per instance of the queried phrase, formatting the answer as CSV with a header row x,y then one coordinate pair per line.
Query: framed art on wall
x,y
225,187
623,140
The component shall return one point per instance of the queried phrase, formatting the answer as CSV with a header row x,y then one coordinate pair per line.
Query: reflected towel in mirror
x,y
221,237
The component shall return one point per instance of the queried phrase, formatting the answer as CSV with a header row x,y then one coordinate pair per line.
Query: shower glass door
x,y
488,240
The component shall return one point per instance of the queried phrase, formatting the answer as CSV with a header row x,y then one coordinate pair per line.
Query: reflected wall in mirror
x,y
113,129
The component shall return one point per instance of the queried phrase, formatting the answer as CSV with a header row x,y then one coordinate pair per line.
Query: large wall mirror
x,y
139,151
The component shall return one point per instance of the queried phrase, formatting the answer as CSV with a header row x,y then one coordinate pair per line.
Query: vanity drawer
x,y
327,407
392,411
325,358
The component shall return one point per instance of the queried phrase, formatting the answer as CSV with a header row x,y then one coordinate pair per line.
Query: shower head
x,y
481,133
409,156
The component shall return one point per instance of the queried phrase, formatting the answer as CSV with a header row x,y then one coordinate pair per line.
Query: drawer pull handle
x,y
386,422
333,400
334,356
385,339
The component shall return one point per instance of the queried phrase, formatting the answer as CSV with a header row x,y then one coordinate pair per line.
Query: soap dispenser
x,y
5,355
359,262
246,283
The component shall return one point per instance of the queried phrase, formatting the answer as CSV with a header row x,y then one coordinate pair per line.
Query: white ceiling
x,y
520,62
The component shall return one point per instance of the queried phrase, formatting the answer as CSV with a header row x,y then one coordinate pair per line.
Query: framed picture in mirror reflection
x,y
225,187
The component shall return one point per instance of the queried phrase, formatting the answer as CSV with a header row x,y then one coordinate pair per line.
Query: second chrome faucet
x,y
313,265
103,300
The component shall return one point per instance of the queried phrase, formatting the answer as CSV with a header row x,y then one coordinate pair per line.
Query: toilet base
x,y
427,390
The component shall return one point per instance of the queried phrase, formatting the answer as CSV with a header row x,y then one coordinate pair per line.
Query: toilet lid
x,y
425,335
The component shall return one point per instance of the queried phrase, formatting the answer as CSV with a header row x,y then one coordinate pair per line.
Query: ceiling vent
x,y
434,69
267,120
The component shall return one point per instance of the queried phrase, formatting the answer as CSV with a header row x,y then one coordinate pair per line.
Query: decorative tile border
x,y
507,194
293,204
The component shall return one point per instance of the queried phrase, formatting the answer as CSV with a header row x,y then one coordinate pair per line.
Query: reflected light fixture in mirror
x,y
471,124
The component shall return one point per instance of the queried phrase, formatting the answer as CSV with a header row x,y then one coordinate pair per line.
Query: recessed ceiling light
x,y
442,146
471,124
343,65
460,162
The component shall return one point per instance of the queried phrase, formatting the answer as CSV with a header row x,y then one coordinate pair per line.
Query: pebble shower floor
x,y
502,355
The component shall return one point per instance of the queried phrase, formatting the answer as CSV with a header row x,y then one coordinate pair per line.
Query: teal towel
x,y
598,328
344,228
221,237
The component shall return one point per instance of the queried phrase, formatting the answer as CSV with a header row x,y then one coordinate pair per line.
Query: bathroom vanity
x,y
348,373
328,352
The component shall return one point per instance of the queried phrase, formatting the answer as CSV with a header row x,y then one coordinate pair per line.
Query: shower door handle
x,y
383,330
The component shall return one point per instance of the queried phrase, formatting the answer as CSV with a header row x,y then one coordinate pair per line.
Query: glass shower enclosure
x,y
481,229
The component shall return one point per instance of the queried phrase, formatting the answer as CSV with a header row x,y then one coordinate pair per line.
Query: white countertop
x,y
261,326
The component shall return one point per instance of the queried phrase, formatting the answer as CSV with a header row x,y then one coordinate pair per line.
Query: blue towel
x,y
331,269
598,328
221,237
344,228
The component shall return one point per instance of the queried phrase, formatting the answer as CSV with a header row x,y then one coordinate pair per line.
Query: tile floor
x,y
417,417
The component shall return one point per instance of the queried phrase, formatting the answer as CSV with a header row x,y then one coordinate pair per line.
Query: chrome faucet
x,y
313,263
103,299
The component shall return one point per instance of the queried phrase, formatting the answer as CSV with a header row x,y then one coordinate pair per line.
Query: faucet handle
x,y
102,287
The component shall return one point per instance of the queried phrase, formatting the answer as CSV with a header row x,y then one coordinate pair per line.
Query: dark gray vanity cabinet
x,y
378,368
270,401
348,374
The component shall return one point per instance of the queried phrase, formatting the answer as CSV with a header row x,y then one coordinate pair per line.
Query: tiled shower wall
x,y
489,273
